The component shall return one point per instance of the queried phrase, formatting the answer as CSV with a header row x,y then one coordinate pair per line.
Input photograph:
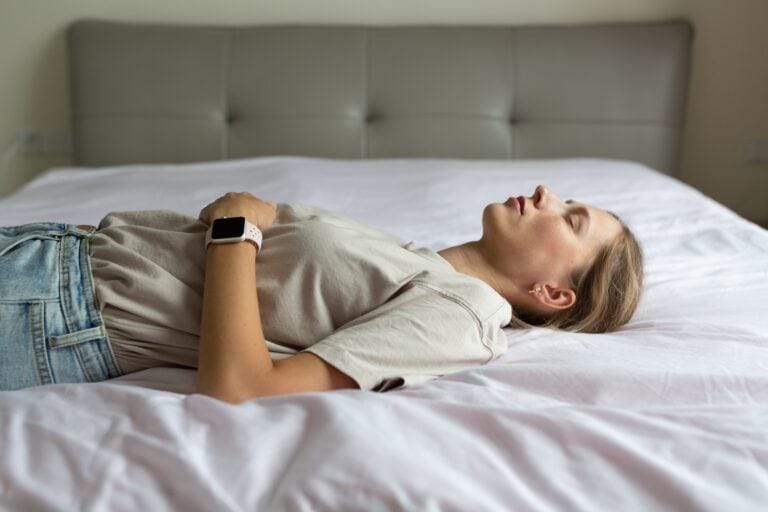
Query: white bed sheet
x,y
670,413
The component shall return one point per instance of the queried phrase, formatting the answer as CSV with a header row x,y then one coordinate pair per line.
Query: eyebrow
x,y
586,212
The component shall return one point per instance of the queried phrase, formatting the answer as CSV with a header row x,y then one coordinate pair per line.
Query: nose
x,y
542,196
539,196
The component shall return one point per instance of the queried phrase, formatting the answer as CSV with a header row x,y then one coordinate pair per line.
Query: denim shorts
x,y
51,330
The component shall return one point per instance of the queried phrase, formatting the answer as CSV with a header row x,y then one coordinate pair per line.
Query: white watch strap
x,y
253,233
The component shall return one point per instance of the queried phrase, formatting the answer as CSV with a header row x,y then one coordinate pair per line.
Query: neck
x,y
468,258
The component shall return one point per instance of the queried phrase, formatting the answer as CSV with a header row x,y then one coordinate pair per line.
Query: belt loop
x,y
65,282
73,338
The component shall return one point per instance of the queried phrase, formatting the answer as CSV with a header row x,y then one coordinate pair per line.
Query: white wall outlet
x,y
757,151
45,143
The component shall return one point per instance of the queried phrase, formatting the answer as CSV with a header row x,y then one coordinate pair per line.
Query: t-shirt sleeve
x,y
416,336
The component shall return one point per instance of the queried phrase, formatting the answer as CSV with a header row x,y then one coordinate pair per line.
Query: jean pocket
x,y
8,243
29,266
23,361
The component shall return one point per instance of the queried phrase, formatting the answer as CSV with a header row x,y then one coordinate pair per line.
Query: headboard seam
x,y
513,87
367,113
227,107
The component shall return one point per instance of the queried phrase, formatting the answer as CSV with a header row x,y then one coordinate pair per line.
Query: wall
x,y
728,99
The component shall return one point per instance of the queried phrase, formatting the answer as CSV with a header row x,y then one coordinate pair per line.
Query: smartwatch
x,y
227,230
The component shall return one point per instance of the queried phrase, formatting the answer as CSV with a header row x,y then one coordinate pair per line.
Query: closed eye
x,y
582,211
569,218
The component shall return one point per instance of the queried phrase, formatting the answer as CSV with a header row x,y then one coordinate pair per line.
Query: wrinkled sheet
x,y
669,413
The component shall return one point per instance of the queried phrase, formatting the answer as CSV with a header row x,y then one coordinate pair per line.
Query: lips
x,y
521,203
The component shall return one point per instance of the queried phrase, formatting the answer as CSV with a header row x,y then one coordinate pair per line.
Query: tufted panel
x,y
169,93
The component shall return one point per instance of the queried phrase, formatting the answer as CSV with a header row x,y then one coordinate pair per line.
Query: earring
x,y
537,290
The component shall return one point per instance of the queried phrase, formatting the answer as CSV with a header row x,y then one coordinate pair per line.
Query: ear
x,y
555,297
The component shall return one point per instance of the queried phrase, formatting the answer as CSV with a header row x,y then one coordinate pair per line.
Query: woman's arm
x,y
232,352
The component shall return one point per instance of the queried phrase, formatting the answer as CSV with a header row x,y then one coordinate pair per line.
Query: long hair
x,y
607,290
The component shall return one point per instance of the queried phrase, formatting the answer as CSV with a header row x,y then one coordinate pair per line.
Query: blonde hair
x,y
607,291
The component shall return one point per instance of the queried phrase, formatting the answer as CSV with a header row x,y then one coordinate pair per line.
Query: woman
x,y
339,304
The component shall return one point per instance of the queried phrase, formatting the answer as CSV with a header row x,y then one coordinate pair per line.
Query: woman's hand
x,y
240,204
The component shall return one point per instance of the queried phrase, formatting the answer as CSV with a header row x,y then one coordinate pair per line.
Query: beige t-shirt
x,y
381,310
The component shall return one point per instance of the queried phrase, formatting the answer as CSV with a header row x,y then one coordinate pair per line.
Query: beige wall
x,y
728,101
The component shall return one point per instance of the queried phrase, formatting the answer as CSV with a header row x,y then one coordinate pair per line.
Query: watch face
x,y
232,227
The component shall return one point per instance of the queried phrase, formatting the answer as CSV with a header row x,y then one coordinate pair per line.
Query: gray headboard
x,y
170,93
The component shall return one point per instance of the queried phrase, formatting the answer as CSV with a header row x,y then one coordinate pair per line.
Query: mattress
x,y
668,413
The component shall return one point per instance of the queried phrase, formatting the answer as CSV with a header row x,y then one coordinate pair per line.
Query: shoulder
x,y
489,310
477,296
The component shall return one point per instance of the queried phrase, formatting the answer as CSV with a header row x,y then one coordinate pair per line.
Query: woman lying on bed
x,y
340,304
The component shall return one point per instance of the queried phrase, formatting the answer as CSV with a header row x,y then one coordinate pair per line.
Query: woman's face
x,y
545,239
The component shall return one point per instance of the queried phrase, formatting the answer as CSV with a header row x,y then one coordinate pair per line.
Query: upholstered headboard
x,y
169,93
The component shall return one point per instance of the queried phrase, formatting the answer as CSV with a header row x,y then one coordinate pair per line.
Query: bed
x,y
423,130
